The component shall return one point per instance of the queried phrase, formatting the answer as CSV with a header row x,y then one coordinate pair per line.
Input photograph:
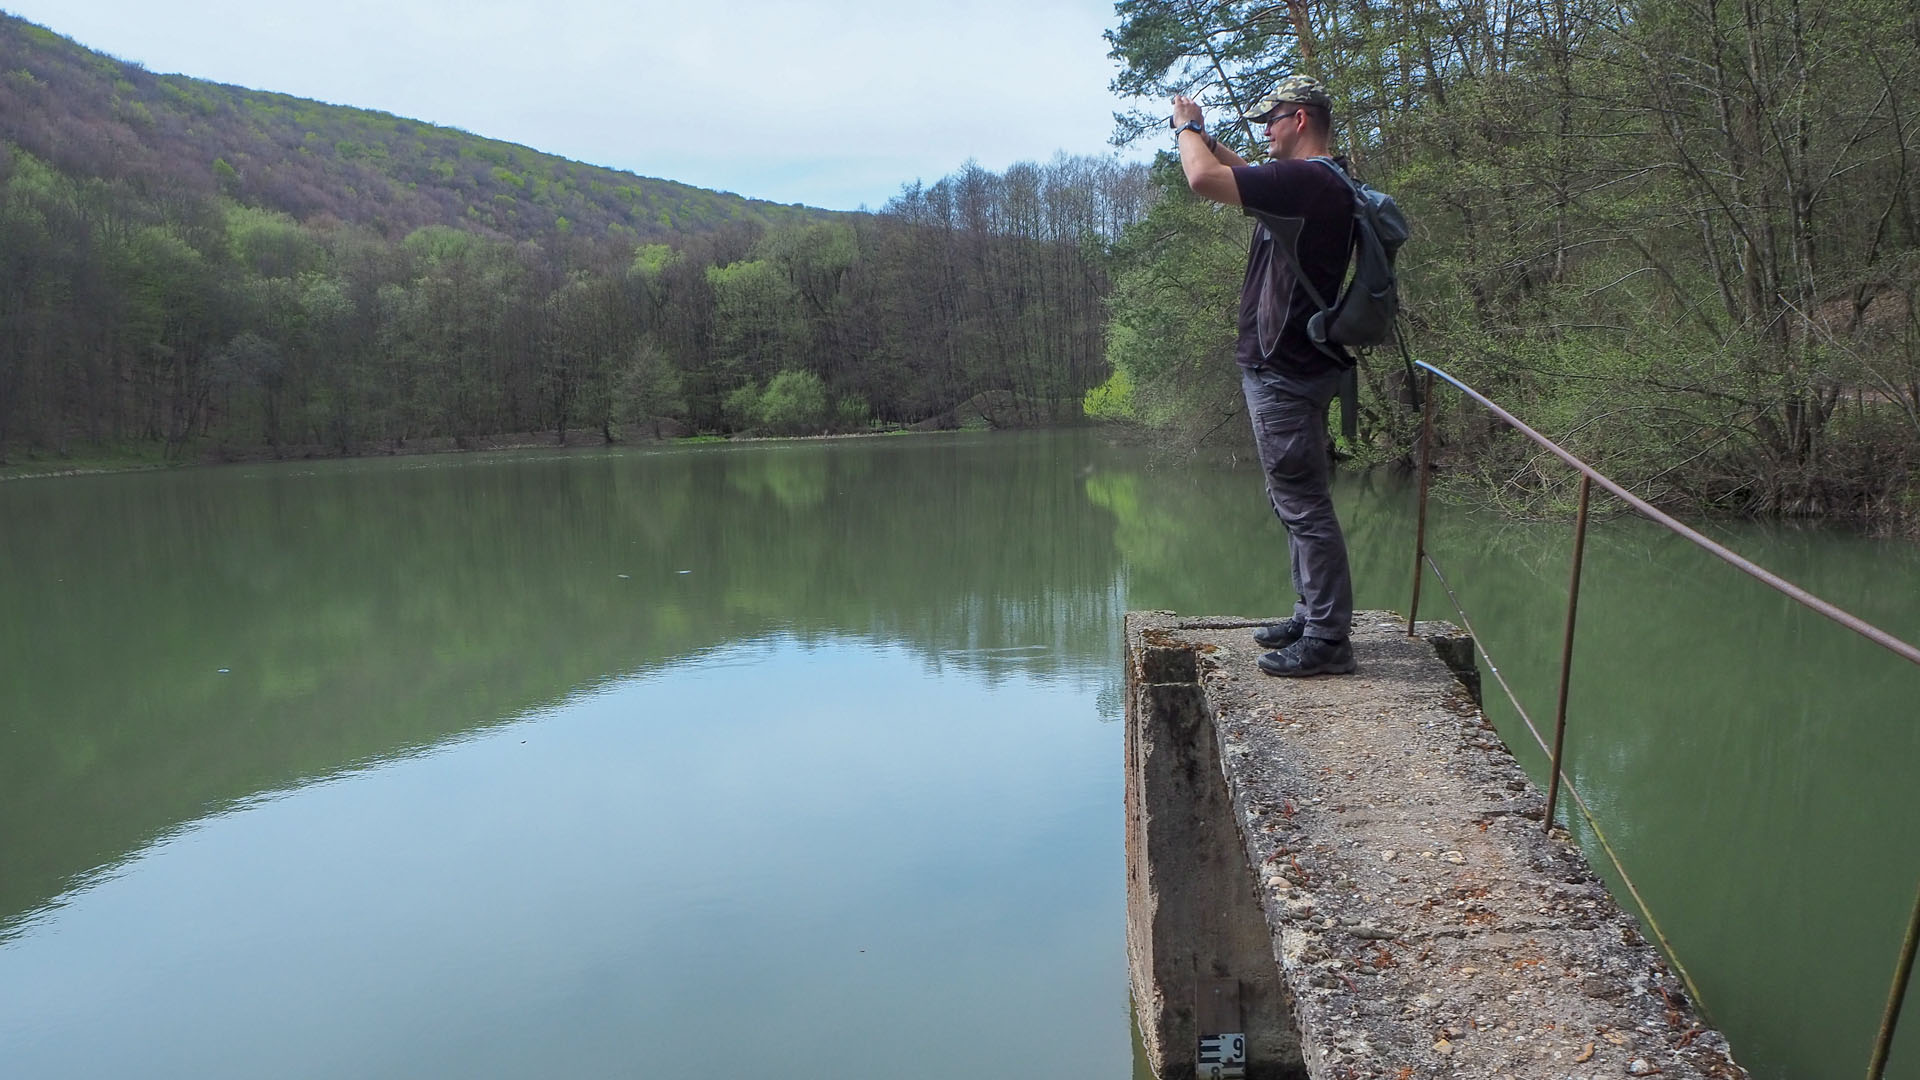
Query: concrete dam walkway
x,y
1348,877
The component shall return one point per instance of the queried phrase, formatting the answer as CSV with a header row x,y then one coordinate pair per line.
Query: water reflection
x,y
363,609
780,860
778,697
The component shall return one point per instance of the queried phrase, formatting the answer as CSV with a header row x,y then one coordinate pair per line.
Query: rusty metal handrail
x,y
1903,967
1844,618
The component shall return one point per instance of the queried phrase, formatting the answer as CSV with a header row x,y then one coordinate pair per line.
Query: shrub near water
x,y
793,403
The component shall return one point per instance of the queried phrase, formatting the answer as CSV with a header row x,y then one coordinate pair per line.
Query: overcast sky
x,y
832,103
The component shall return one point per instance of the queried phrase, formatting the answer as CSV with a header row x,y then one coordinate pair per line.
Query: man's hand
x,y
1186,111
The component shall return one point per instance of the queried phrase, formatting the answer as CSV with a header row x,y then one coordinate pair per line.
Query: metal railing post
x,y
1423,462
1902,973
1566,649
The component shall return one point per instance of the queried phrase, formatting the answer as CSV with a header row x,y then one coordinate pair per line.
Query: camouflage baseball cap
x,y
1292,90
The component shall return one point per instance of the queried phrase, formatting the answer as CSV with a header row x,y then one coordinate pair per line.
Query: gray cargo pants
x,y
1290,429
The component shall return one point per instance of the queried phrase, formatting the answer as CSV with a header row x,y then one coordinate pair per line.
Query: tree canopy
x,y
1682,235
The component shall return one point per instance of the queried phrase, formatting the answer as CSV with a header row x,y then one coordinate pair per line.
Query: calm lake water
x,y
803,760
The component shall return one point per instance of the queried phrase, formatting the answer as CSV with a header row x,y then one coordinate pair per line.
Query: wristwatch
x,y
1196,129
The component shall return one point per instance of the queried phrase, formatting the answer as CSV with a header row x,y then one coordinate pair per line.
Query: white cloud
x,y
832,104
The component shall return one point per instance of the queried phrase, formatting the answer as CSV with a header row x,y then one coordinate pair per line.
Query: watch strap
x,y
1197,130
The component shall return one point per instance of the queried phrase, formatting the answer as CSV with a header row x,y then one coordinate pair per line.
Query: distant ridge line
x,y
92,115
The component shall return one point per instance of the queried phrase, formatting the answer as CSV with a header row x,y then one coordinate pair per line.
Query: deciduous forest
x,y
204,271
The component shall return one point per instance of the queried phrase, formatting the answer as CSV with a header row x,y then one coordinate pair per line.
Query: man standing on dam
x,y
1287,379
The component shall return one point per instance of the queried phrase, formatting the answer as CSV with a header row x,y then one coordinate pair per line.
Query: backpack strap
x,y
1350,401
1269,222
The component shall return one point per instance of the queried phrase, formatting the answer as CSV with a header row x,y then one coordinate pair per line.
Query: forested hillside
x,y
1682,237
197,271
88,114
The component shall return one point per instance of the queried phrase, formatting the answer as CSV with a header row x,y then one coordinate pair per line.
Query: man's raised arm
x,y
1208,164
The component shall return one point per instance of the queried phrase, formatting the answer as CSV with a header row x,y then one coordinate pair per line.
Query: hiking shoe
x,y
1310,656
1280,634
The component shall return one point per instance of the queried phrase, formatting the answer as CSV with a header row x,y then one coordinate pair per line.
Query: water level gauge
x,y
1223,1057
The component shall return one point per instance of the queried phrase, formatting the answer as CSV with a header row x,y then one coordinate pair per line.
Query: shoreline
x,y
1897,527
578,439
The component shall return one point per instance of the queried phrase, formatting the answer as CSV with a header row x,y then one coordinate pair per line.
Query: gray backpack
x,y
1363,313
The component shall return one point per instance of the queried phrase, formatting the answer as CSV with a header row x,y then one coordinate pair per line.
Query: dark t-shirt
x,y
1318,206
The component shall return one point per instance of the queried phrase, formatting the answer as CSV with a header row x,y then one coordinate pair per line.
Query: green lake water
x,y
803,760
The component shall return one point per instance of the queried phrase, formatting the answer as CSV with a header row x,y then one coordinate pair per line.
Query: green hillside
x,y
190,271
89,114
